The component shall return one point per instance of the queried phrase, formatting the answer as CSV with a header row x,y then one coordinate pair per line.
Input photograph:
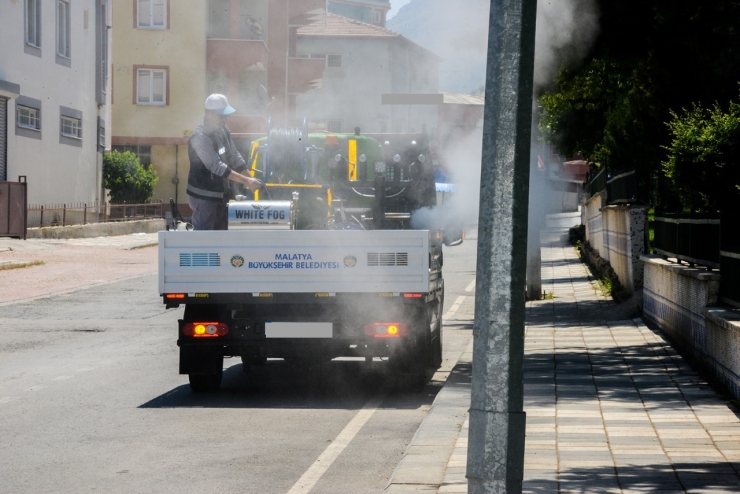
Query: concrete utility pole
x,y
536,219
497,419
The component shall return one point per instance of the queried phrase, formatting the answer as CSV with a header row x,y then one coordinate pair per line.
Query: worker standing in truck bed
x,y
214,161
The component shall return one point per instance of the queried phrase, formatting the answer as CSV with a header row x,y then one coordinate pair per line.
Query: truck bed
x,y
290,261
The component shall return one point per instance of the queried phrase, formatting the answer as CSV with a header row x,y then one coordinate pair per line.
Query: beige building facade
x,y
159,84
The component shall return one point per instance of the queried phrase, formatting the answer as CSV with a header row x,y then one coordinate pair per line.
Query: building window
x,y
33,22
144,153
63,28
151,14
101,133
28,118
334,61
151,86
334,126
376,17
71,127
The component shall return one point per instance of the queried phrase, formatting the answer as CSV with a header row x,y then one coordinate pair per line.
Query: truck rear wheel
x,y
435,356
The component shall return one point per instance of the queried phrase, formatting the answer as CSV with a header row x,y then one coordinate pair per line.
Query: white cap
x,y
219,103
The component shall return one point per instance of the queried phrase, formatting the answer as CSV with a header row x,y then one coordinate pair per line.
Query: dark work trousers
x,y
209,215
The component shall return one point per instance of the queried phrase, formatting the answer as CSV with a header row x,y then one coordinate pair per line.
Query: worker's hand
x,y
252,183
249,182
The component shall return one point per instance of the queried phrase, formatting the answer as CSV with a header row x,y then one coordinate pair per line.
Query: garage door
x,y
3,138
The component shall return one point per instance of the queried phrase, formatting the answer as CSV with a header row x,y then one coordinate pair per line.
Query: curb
x,y
424,464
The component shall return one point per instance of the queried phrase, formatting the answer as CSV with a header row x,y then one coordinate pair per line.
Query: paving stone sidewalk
x,y
72,264
611,407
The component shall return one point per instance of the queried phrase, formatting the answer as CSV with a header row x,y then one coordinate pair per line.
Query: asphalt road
x,y
91,401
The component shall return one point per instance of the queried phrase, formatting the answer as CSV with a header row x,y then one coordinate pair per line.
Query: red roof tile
x,y
337,25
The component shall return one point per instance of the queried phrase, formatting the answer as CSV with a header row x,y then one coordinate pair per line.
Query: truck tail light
x,y
205,329
386,329
412,295
175,295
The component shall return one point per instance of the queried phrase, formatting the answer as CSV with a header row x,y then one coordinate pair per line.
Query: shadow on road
x,y
339,384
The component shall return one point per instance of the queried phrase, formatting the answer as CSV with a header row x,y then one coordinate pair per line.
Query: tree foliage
x,y
652,59
127,179
704,156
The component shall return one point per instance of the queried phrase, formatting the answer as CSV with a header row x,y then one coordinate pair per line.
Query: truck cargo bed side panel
x,y
306,261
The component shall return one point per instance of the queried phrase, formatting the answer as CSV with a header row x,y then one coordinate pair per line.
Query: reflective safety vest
x,y
202,183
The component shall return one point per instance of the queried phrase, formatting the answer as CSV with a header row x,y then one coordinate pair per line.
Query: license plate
x,y
298,330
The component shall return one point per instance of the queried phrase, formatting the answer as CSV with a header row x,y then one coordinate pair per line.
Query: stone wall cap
x,y
622,206
727,318
681,269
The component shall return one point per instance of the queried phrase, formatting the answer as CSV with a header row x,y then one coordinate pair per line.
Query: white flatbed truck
x,y
303,295
325,262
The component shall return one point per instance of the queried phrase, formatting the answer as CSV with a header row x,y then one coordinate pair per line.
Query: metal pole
x,y
497,419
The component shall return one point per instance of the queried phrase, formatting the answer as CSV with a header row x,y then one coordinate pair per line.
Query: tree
x,y
127,179
704,157
651,59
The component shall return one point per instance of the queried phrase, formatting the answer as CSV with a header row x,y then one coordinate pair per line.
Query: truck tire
x,y
435,355
205,383
413,364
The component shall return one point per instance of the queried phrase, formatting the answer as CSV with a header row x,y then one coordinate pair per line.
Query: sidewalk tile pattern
x,y
611,407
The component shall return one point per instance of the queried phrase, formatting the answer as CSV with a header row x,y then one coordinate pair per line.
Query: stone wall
x,y
624,237
98,229
680,300
618,235
722,352
593,222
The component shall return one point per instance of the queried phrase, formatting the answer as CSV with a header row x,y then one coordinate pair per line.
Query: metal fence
x,y
84,213
622,188
595,183
691,238
729,287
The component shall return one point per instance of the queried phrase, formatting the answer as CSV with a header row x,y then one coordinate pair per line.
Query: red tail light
x,y
412,295
205,329
175,295
387,329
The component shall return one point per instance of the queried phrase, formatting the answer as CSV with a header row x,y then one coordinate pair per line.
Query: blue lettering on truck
x,y
285,261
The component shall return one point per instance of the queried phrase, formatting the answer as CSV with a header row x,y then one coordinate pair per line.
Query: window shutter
x,y
3,138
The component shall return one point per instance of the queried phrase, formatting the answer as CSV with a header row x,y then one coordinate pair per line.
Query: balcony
x,y
234,55
305,12
305,74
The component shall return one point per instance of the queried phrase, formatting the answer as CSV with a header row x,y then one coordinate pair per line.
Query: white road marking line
x,y
62,378
309,479
453,309
8,399
471,285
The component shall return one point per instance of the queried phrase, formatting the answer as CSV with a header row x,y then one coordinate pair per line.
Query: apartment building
x,y
368,11
364,62
54,95
169,55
